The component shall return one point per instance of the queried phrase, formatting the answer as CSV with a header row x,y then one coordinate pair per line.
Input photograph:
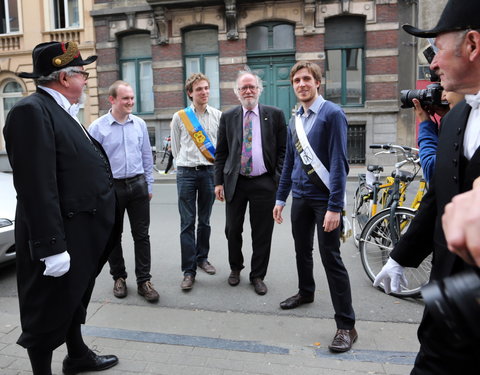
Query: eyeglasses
x,y
246,88
82,72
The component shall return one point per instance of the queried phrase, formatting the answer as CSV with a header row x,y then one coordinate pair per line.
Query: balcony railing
x,y
9,42
64,35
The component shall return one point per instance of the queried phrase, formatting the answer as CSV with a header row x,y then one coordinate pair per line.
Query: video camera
x,y
455,300
430,96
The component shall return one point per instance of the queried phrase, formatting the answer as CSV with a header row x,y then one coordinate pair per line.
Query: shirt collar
x,y
207,108
61,100
111,119
254,110
315,107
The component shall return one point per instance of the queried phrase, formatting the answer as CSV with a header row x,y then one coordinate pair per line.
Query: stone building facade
x,y
23,25
364,58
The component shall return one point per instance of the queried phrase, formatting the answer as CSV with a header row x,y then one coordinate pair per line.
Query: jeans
x,y
194,187
132,196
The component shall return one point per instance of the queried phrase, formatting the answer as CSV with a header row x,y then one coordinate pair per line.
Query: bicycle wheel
x,y
361,210
376,244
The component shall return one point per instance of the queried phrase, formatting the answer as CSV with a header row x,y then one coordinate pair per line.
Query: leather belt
x,y
129,179
197,167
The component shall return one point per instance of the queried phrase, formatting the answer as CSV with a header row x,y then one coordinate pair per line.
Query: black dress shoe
x,y
234,278
343,340
90,362
295,301
259,286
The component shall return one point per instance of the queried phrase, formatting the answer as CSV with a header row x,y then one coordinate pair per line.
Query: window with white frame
x,y
65,14
201,56
9,22
136,69
10,93
344,62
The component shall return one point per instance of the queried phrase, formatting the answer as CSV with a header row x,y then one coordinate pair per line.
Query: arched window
x,y
270,36
201,56
136,69
10,93
344,68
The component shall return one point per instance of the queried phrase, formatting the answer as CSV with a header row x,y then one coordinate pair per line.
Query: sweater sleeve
x,y
338,160
427,142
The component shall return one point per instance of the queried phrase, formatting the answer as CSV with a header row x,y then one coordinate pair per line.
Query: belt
x,y
197,167
129,179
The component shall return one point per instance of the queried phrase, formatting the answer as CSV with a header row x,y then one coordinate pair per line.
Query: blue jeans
x,y
194,187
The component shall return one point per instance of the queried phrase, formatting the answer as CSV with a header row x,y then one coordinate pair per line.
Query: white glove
x,y
56,265
392,277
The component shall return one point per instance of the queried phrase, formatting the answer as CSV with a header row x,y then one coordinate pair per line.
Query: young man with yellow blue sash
x,y
194,136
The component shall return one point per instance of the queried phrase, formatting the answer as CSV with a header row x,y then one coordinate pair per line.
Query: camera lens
x,y
456,301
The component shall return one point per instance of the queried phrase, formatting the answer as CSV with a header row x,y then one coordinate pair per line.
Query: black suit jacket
x,y
425,233
65,201
229,145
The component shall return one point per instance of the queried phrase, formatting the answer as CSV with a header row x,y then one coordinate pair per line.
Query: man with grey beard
x,y
248,164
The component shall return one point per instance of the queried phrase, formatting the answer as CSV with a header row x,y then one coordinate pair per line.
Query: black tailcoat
x,y
440,352
65,201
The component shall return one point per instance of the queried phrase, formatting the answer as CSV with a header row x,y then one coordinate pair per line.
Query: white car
x,y
8,202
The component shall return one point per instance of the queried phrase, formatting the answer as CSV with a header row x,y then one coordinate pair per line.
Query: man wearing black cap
x,y
457,62
65,210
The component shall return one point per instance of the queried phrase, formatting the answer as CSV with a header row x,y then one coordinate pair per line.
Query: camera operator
x,y
457,63
461,224
428,129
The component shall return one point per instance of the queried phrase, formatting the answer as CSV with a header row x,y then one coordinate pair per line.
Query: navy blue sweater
x,y
328,138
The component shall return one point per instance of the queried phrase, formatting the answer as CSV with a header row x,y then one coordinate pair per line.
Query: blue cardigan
x,y
328,138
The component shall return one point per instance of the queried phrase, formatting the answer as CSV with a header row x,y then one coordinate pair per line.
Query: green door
x,y
275,74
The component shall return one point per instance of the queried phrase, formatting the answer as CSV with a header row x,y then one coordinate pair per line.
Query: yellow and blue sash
x,y
198,134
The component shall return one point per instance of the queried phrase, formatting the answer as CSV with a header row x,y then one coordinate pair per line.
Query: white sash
x,y
308,156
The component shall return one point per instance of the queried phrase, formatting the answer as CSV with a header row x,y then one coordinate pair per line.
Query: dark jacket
x,y
65,201
229,145
425,233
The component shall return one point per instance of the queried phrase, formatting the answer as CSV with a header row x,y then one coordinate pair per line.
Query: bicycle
x,y
383,230
372,193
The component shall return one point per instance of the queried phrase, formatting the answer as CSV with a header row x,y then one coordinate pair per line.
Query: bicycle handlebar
x,y
392,147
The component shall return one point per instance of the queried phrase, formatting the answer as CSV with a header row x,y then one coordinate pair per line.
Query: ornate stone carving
x,y
162,25
309,17
231,17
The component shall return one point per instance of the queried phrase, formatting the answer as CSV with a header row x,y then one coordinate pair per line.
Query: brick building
x,y
365,59
155,44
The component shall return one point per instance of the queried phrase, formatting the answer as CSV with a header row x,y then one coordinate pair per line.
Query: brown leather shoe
x,y
343,340
187,282
207,267
146,291
234,278
120,288
295,301
259,286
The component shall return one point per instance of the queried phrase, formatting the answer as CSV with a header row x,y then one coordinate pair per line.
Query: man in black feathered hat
x,y
65,210
444,350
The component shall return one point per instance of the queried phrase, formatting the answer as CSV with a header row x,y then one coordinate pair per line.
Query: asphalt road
x,y
212,293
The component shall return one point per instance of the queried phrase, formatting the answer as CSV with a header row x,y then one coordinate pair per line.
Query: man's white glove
x,y
392,277
56,265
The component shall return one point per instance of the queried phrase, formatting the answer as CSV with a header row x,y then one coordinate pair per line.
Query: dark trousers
x,y
441,353
259,194
306,215
195,189
169,162
132,196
